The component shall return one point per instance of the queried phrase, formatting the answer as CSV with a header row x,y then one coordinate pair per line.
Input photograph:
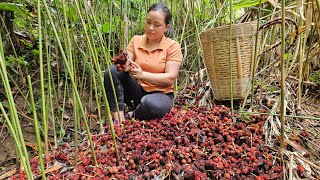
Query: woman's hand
x,y
135,70
122,66
127,67
121,61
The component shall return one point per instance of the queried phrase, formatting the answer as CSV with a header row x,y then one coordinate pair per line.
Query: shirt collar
x,y
143,44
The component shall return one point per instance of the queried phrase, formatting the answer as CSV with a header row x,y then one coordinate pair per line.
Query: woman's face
x,y
155,25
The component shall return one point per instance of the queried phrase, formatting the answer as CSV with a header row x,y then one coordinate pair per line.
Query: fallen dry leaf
x,y
8,173
297,147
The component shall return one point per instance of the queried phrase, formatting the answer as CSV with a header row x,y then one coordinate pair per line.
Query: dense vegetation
x,y
53,53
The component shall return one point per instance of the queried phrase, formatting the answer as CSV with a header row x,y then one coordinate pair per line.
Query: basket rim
x,y
228,25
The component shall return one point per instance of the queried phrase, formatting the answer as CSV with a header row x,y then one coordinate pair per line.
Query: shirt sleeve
x,y
174,54
130,46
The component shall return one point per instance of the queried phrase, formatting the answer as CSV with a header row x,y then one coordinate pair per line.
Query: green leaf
x,y
234,119
106,27
13,7
315,77
269,88
35,51
62,133
27,43
5,104
11,59
245,117
247,3
73,13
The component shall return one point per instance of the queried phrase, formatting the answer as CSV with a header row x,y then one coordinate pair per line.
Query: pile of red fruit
x,y
193,143
120,60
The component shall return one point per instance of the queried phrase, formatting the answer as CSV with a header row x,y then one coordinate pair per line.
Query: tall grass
x,y
13,122
36,128
43,97
230,57
77,40
283,76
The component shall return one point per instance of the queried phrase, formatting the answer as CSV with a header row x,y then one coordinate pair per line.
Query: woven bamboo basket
x,y
215,43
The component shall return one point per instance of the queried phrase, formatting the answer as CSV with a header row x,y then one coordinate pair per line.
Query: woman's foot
x,y
115,122
129,115
116,116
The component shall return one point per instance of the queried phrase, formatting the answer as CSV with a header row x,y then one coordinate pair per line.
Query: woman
x,y
147,80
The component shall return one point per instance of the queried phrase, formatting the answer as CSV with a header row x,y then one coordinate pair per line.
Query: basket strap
x,y
239,59
278,20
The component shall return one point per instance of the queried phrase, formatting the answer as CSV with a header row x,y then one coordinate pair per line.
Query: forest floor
x,y
301,154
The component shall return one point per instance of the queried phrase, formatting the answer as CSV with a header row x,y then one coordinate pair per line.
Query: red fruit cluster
x,y
304,133
193,143
300,169
120,60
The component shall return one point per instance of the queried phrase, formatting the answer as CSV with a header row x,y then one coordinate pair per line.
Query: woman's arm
x,y
130,56
161,79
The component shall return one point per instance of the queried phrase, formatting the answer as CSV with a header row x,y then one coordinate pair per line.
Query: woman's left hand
x,y
136,70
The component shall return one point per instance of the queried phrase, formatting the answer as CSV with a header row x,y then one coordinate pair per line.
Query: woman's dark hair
x,y
164,9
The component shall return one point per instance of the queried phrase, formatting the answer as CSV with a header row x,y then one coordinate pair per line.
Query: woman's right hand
x,y
127,66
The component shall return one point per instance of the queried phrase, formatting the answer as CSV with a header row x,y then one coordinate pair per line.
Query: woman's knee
x,y
157,101
156,104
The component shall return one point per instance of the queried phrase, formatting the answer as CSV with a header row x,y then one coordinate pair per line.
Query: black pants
x,y
147,105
